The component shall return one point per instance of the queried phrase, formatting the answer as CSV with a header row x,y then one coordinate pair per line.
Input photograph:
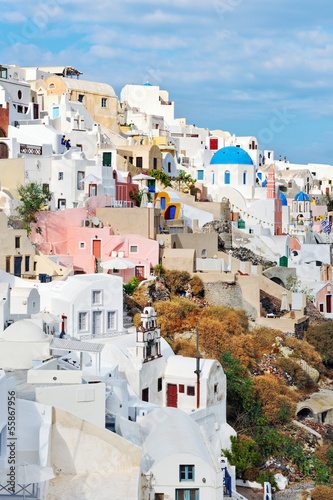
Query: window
x,y
216,388
244,177
17,241
159,384
133,249
169,167
19,94
155,164
80,183
60,176
321,308
204,253
8,259
186,473
131,159
111,318
61,203
27,263
139,271
20,109
139,162
83,321
214,144
107,159
190,390
81,97
187,494
145,395
116,271
82,245
3,73
97,297
159,496
104,102
181,388
200,175
35,266
227,177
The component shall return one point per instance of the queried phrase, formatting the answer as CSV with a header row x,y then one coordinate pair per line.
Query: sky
x,y
251,67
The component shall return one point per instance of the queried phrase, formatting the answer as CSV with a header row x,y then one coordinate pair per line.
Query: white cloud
x,y
13,17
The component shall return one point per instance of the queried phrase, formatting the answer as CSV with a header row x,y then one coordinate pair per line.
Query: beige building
x,y
98,98
142,157
142,221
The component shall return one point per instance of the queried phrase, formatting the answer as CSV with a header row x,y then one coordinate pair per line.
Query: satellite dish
x,y
95,221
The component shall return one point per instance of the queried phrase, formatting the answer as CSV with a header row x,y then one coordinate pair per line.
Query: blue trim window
x,y
187,494
244,178
200,175
227,177
186,473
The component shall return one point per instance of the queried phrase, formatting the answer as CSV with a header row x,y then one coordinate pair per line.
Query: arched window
x,y
2,133
204,253
51,86
227,177
244,177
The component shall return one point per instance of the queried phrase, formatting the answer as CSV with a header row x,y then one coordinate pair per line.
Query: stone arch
x,y
277,280
305,413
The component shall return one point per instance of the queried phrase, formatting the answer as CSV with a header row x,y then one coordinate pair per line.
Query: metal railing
x,y
23,491
106,335
31,150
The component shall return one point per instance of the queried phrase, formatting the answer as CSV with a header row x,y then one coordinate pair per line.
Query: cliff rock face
x,y
229,295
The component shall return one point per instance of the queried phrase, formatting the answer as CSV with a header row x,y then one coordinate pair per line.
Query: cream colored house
x,y
98,98
142,157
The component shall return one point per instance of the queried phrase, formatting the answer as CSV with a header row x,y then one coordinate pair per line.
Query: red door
x,y
172,395
97,245
328,303
214,144
139,271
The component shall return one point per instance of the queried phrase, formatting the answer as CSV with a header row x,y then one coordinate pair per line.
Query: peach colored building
x,y
84,248
324,300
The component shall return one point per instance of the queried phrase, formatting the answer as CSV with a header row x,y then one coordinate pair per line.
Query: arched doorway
x,y
170,213
305,413
3,151
2,132
278,281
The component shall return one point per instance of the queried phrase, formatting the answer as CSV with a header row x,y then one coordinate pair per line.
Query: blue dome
x,y
301,197
283,198
147,84
264,184
231,156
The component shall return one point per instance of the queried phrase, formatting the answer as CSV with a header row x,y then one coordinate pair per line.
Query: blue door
x,y
17,266
172,212
163,202
227,178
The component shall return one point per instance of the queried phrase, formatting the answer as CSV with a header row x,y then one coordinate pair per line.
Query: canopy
x,y
117,263
91,178
142,177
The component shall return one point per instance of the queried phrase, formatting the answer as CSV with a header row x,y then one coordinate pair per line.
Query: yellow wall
x,y
12,174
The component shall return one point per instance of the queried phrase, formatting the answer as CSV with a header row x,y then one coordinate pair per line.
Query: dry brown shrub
x,y
184,347
322,493
276,397
197,286
140,298
321,453
307,352
243,348
264,338
301,378
212,337
176,280
137,319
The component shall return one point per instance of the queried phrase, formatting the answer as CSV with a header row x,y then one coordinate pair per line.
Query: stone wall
x,y
229,295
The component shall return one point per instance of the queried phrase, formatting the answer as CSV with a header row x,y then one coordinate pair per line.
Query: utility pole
x,y
198,371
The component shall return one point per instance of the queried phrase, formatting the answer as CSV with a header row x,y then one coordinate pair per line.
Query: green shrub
x,y
243,455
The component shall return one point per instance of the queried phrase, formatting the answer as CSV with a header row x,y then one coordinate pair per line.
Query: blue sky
x,y
252,67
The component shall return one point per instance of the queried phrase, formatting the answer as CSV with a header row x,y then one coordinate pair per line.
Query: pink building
x,y
83,248
324,299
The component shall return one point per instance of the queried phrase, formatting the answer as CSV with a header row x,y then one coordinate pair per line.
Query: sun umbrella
x,y
91,178
47,317
142,177
26,474
117,263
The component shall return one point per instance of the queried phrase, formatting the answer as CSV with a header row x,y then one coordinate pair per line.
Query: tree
x,y
295,285
243,454
33,197
161,176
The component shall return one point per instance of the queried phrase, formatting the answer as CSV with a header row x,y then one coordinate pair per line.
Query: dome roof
x,y
231,156
283,198
301,197
24,331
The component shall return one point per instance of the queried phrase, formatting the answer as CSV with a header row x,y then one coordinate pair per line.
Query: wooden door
x,y
97,322
3,151
172,396
139,271
97,249
145,394
17,266
328,303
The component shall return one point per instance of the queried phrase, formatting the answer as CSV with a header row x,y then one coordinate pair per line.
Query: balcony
x,y
31,150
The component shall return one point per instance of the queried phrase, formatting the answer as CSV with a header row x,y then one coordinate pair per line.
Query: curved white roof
x,y
84,85
178,366
24,330
177,433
